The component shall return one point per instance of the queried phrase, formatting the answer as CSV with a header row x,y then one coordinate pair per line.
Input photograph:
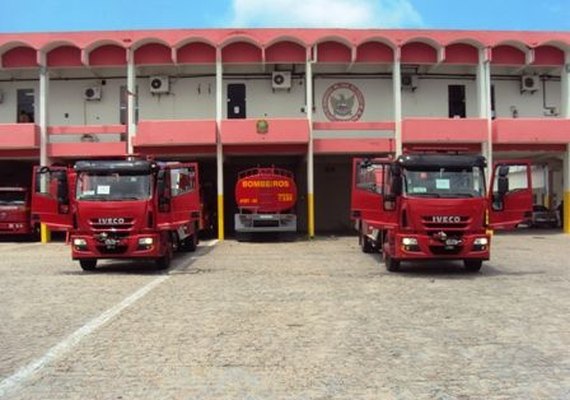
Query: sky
x,y
88,15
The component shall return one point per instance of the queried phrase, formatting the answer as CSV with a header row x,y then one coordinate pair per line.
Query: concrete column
x,y
566,190
45,234
397,97
131,101
310,155
484,103
565,86
219,150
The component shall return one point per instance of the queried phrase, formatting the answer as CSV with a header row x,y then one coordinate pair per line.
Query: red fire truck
x,y
265,199
15,215
436,206
121,209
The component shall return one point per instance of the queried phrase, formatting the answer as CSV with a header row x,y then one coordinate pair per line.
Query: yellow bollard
x,y
45,233
220,217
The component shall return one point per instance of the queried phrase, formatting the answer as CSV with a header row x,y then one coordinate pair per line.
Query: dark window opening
x,y
25,108
236,101
456,98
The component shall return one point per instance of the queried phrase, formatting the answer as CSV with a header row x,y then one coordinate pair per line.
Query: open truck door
x,y
510,194
178,194
373,199
51,197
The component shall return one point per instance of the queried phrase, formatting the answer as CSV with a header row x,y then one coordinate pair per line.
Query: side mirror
x,y
162,191
390,202
502,185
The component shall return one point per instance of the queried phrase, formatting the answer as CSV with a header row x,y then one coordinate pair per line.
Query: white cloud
x,y
325,13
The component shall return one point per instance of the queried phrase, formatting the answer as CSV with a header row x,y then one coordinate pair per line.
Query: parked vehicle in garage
x,y
121,209
542,217
15,212
435,206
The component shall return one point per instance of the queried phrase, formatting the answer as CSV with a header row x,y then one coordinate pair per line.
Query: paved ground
x,y
301,320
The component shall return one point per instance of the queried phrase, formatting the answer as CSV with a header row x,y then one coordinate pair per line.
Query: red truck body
x,y
15,212
435,206
121,209
265,199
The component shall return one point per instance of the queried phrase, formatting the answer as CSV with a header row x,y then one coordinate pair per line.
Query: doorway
x,y
25,109
236,101
456,98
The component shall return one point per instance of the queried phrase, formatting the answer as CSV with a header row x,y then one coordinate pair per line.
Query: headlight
x,y
409,241
79,242
146,241
481,242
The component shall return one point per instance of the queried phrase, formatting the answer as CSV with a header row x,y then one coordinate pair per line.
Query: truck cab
x,y
15,215
436,206
121,209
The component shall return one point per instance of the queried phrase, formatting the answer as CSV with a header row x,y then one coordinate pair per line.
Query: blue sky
x,y
79,15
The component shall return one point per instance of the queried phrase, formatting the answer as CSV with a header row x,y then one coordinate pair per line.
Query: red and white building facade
x,y
306,99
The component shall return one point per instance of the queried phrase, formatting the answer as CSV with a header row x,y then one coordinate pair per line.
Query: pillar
x,y
310,155
219,150
131,101
397,97
45,234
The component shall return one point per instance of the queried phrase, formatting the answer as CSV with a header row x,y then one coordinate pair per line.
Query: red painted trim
x,y
438,130
251,149
354,146
529,147
186,151
507,55
442,146
531,131
418,53
153,54
197,53
241,52
64,56
548,55
19,136
355,126
175,133
461,53
19,57
281,131
83,129
333,52
374,52
19,154
285,52
108,55
87,150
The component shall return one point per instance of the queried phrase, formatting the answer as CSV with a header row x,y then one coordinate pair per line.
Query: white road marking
x,y
63,347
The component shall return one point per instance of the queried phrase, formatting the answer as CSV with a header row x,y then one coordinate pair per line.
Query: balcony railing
x,y
153,133
444,130
337,137
265,131
72,141
19,136
531,131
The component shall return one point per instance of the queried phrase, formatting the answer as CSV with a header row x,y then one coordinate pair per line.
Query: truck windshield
x,y
444,182
12,198
112,187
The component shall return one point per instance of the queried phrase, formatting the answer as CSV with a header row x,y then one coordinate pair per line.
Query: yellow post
x,y
566,213
45,233
221,217
311,215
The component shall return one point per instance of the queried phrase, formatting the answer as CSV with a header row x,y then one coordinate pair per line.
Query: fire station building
x,y
308,100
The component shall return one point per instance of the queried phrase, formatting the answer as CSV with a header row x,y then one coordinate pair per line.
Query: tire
x,y
473,265
164,261
365,244
88,264
190,243
392,265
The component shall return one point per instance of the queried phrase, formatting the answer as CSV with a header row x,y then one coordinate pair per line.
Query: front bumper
x,y
15,228
452,248
123,247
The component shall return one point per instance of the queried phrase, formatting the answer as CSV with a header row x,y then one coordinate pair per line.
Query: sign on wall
x,y
343,101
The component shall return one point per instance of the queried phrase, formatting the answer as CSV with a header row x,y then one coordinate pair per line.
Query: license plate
x,y
452,242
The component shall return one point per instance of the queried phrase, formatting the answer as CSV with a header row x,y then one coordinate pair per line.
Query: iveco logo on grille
x,y
111,221
446,219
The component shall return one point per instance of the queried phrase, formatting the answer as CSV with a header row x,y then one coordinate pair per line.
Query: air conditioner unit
x,y
409,82
530,83
281,80
159,84
92,93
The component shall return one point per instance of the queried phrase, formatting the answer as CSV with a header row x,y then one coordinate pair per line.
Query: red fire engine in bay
x,y
121,209
15,215
436,206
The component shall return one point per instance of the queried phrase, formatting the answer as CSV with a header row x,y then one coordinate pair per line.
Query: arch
x,y
196,53
461,53
64,56
332,51
418,52
103,42
19,56
153,54
242,52
506,54
286,52
374,52
108,55
548,55
148,40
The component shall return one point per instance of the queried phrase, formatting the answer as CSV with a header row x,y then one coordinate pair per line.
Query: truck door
x,y
178,194
51,197
510,194
370,187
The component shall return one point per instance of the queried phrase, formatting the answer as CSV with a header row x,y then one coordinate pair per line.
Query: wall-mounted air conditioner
x,y
409,82
530,83
281,80
92,93
159,84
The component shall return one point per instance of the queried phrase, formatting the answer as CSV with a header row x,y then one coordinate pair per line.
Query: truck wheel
x,y
473,265
365,243
164,261
88,264
190,243
391,264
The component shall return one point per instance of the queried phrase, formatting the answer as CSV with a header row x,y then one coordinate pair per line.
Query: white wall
x,y
9,105
508,95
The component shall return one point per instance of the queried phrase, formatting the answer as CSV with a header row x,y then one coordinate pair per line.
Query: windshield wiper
x,y
424,194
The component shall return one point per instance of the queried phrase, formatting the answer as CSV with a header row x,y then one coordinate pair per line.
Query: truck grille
x,y
127,224
431,226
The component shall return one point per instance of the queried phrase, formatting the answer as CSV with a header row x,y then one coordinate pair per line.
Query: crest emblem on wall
x,y
343,101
